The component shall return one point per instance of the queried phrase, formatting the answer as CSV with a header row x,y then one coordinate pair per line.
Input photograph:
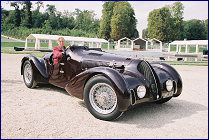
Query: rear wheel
x,y
101,99
28,75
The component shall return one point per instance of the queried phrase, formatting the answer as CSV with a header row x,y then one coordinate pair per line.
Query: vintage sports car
x,y
108,83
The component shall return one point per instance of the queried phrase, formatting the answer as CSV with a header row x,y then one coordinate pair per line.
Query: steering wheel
x,y
65,54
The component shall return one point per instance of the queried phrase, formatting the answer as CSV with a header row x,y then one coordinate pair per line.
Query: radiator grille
x,y
145,69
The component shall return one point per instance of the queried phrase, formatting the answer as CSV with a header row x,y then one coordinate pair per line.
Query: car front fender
x,y
76,86
164,71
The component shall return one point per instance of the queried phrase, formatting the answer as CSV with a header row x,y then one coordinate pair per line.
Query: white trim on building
x,y
71,39
187,44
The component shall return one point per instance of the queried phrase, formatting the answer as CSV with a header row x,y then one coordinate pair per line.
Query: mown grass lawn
x,y
22,44
12,51
188,63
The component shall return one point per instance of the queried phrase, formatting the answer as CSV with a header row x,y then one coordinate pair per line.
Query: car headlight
x,y
169,85
141,91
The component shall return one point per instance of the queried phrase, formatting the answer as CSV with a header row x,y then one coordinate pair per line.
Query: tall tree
x,y
160,24
206,28
27,21
17,17
107,12
145,33
194,30
177,10
68,20
51,10
39,5
47,29
38,17
123,21
85,20
7,19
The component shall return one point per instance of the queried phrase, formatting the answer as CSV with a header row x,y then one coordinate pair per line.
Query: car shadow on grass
x,y
151,115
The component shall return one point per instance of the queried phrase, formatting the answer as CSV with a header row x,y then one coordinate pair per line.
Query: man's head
x,y
61,41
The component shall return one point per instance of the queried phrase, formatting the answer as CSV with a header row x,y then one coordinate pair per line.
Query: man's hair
x,y
60,38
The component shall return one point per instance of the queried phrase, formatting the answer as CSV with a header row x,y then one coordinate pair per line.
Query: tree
x,y
27,21
17,17
206,28
194,30
68,20
145,33
85,20
39,5
51,10
7,19
107,12
177,10
4,12
123,21
47,27
160,24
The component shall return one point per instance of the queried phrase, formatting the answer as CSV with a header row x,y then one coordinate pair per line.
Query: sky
x,y
192,9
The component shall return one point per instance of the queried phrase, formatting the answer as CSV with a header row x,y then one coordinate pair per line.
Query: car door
x,y
64,71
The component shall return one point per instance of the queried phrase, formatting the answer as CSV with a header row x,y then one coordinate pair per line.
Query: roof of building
x,y
189,42
124,39
140,39
67,38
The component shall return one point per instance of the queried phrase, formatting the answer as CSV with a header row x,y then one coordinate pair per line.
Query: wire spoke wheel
x,y
28,73
103,98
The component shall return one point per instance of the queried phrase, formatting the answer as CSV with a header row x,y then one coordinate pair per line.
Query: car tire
x,y
164,100
99,104
28,75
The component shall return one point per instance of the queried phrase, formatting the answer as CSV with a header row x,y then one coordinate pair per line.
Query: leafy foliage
x,y
22,22
159,24
194,29
107,12
123,21
27,21
118,21
166,24
17,17
177,10
145,33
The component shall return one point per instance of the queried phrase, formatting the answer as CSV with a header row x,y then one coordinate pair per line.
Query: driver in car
x,y
58,51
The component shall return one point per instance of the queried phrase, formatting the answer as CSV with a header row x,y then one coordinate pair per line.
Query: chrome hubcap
x,y
103,98
28,73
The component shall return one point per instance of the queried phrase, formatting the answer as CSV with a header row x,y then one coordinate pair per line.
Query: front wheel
x,y
101,99
28,75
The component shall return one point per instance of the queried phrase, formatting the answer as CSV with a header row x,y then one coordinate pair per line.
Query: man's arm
x,y
57,53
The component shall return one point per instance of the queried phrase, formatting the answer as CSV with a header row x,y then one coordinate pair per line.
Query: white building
x,y
139,44
188,44
92,42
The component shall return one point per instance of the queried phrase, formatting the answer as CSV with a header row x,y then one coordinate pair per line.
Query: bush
x,y
23,32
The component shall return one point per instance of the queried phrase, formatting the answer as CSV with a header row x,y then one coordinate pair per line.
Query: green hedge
x,y
22,32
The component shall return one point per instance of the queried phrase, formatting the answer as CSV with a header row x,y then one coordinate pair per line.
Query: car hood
x,y
106,59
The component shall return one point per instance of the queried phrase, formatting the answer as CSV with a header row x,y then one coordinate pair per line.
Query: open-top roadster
x,y
108,83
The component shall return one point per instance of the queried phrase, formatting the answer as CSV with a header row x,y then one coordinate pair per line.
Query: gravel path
x,y
49,112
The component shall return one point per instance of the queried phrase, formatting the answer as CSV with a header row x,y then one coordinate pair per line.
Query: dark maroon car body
x,y
125,74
